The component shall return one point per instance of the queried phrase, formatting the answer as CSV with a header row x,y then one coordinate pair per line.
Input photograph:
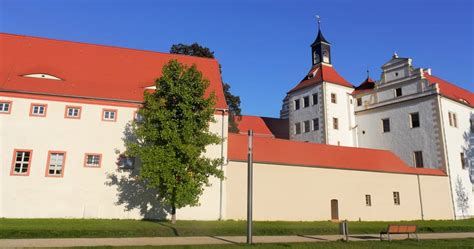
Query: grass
x,y
406,244
94,228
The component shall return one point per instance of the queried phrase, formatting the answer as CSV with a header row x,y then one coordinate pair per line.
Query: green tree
x,y
233,101
172,135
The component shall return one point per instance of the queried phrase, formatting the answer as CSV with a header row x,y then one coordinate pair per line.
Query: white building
x,y
425,120
65,109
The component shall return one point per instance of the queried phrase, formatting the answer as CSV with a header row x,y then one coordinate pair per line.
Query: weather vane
x,y
319,21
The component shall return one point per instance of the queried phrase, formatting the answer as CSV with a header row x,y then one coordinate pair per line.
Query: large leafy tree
x,y
233,101
172,134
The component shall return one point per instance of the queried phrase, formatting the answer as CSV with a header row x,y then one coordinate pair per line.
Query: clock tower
x,y
321,48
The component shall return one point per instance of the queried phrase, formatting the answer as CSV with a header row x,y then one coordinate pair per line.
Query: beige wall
x,y
304,193
82,192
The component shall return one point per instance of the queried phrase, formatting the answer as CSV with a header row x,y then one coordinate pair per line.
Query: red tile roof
x,y
320,73
88,70
451,91
365,86
279,151
263,126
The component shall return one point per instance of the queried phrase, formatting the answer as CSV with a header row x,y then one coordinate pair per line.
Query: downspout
x,y
325,113
445,150
421,199
222,165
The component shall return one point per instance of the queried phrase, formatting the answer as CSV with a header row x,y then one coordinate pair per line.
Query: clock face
x,y
326,56
316,58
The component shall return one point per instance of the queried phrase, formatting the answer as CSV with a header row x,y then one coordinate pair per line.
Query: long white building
x,y
423,119
65,108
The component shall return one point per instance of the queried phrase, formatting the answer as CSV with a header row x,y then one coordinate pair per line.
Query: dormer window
x,y
42,76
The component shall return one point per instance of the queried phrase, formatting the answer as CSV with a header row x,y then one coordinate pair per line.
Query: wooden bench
x,y
399,229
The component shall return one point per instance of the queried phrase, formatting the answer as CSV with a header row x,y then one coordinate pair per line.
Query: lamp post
x,y
249,186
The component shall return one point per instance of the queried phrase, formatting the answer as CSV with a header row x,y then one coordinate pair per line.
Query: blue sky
x,y
263,46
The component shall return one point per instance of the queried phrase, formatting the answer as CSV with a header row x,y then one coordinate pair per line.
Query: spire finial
x,y
395,55
319,22
368,72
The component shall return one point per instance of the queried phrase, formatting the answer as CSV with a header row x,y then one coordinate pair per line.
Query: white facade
x,y
84,192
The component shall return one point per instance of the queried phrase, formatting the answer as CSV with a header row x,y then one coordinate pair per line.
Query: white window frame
x,y
38,110
5,107
109,115
54,165
22,162
95,161
73,114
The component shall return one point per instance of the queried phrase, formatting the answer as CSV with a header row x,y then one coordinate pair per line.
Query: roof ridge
x,y
106,46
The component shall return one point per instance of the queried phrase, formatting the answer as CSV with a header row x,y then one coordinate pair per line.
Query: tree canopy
x,y
233,101
172,134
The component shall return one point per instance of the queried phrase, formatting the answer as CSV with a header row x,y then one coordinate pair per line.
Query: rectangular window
x,y
359,101
109,115
396,198
398,92
21,162
452,119
297,104
335,123
463,161
92,160
125,162
333,98
415,120
316,124
38,110
418,158
56,162
307,126
368,200
315,99
5,107
298,128
386,125
306,101
73,112
137,117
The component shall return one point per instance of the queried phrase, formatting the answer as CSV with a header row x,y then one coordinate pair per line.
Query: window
x,y
38,110
306,101
315,99
298,128
333,98
56,161
418,158
316,124
306,126
21,162
463,161
109,115
472,124
453,119
359,101
368,200
297,104
125,162
386,125
398,92
92,160
5,107
415,120
396,198
139,118
73,112
335,123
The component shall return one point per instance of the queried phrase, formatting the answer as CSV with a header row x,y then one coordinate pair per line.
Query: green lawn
x,y
75,228
406,244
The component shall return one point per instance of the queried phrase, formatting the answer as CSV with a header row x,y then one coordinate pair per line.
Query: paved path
x,y
205,240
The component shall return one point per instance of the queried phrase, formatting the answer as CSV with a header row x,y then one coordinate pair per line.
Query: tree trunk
x,y
173,214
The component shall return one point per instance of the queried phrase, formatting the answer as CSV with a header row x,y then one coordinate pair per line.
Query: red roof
x,y
263,126
451,91
88,70
320,73
279,151
365,86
